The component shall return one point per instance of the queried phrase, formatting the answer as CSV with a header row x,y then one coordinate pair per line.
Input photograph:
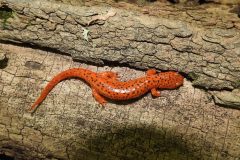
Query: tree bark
x,y
69,124
211,55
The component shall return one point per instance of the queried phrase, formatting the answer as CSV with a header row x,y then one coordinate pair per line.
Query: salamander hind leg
x,y
98,97
109,74
155,92
151,72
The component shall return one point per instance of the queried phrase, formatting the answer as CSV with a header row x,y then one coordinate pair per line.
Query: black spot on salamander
x,y
137,91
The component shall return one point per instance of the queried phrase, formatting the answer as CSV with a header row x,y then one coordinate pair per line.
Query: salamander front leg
x,y
98,97
155,92
151,72
109,74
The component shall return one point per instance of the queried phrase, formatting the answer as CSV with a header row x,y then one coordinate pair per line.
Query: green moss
x,y
237,84
193,75
5,14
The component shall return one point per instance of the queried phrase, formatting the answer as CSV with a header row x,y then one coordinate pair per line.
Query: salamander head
x,y
170,80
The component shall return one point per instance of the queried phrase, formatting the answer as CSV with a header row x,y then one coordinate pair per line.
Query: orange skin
x,y
106,84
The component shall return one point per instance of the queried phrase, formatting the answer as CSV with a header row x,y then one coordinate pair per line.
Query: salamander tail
x,y
70,73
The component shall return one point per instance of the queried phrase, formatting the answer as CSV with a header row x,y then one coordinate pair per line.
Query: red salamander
x,y
106,84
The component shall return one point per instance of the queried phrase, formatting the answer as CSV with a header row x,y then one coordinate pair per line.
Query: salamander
x,y
106,84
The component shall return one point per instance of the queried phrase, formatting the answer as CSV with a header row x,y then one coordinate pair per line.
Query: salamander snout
x,y
170,80
176,79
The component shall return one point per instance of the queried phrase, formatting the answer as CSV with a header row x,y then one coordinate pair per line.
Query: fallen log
x,y
69,124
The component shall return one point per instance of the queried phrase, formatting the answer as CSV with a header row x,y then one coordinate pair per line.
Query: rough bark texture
x,y
204,44
69,124
181,124
211,55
